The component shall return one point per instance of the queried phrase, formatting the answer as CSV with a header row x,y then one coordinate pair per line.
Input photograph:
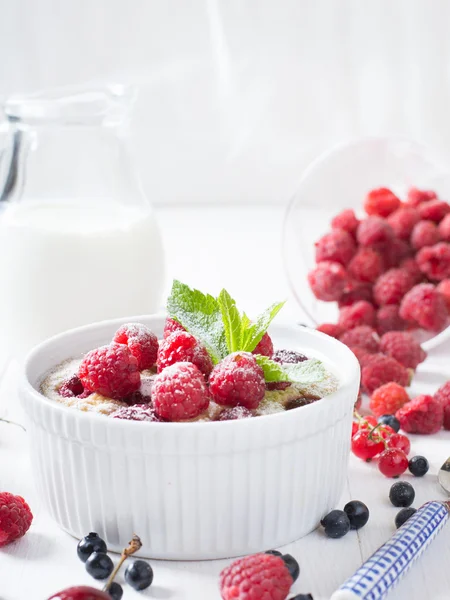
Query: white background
x,y
237,96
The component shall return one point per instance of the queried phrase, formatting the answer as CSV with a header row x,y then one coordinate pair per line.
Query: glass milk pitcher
x,y
78,238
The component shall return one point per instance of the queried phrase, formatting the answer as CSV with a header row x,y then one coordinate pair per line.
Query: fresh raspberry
x,y
354,292
237,380
362,355
360,313
423,415
330,329
363,336
425,233
328,281
256,577
289,357
434,210
374,232
380,369
366,265
180,392
394,252
416,197
142,342
388,319
137,412
171,326
111,371
403,220
381,202
388,398
434,261
404,348
392,286
15,518
410,265
444,289
345,220
71,388
337,246
425,306
181,346
443,397
234,414
444,228
265,346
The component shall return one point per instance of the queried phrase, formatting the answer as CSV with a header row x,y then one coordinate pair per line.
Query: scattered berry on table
x,y
443,397
423,415
99,565
265,346
434,261
416,196
410,266
403,220
180,392
424,305
81,592
274,552
89,544
390,420
137,412
302,597
425,233
336,524
434,210
181,346
289,357
388,319
366,445
443,287
374,232
235,413
292,566
72,387
357,513
354,292
392,286
392,462
381,202
337,246
345,220
362,336
139,575
15,518
402,346
381,369
403,515
444,228
111,371
402,494
328,281
261,575
171,326
366,265
141,341
359,313
418,466
330,329
387,399
237,380
400,441
115,591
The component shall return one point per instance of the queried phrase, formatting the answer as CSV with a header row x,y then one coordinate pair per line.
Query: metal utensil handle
x,y
381,572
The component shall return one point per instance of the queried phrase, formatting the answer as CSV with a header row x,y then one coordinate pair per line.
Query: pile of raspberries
x,y
390,275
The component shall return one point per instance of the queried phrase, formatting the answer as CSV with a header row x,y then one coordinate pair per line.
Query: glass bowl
x,y
340,178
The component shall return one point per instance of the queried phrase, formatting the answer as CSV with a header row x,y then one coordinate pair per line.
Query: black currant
x,y
115,591
357,513
402,494
418,466
336,524
390,420
292,565
89,544
99,565
403,515
139,575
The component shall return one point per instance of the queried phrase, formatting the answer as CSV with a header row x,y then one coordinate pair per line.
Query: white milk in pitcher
x,y
64,264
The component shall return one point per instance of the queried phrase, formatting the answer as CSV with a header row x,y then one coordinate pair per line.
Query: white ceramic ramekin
x,y
190,490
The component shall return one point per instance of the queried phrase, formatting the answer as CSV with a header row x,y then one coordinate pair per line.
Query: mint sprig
x,y
307,372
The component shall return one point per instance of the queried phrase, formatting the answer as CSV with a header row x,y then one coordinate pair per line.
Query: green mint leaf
x,y
306,373
199,314
231,321
252,334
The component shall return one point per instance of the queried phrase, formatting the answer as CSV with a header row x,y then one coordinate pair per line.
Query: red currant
x,y
368,422
393,462
367,446
386,432
400,441
355,427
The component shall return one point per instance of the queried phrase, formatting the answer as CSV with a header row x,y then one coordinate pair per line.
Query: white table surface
x,y
236,248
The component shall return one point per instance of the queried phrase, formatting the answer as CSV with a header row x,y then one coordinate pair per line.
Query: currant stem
x,y
132,547
12,423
